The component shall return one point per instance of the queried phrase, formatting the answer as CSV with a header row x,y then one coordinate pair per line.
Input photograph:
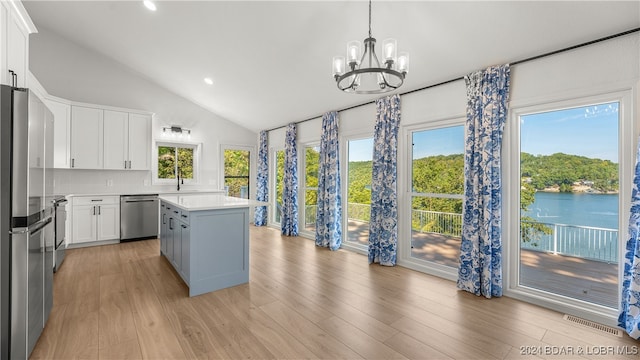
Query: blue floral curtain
x,y
480,269
630,311
289,219
383,225
262,181
329,211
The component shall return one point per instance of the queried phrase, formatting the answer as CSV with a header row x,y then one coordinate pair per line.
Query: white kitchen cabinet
x,y
86,137
4,45
15,27
61,133
139,141
108,217
95,218
126,140
84,224
116,133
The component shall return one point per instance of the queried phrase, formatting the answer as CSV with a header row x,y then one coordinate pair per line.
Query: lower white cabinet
x,y
95,218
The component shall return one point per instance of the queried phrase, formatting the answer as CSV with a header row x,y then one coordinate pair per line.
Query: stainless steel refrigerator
x,y
26,187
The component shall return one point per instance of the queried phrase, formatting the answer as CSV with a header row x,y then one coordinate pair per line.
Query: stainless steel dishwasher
x,y
138,217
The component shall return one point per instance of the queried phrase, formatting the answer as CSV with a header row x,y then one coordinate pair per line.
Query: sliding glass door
x,y
569,202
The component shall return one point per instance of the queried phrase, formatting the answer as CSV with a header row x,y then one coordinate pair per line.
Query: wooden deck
x,y
578,278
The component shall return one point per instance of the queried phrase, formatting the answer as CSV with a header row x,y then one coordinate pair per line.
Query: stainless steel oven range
x,y
60,218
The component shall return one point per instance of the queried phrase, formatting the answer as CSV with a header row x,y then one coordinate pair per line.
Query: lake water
x,y
595,210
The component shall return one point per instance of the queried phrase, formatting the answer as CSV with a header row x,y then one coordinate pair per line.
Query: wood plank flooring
x,y
125,301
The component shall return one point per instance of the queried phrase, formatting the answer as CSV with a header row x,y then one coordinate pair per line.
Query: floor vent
x,y
593,325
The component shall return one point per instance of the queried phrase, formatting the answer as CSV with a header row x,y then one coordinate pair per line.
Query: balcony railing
x,y
585,242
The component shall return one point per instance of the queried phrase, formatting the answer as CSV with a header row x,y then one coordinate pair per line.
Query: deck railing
x,y
585,242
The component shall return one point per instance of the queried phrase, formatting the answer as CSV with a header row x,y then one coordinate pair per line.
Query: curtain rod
x,y
536,57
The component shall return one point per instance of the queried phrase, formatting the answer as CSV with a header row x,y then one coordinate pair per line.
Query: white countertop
x,y
150,192
195,202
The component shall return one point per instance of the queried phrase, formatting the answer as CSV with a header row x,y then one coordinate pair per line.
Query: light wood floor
x,y
125,302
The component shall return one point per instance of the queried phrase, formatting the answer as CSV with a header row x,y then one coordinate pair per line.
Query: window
x,y
437,183
569,202
237,166
278,184
359,167
311,165
176,159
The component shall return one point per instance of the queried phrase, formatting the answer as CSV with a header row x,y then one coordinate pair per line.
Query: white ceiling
x,y
271,60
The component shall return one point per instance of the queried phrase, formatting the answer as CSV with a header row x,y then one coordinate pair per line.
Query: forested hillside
x,y
443,174
561,171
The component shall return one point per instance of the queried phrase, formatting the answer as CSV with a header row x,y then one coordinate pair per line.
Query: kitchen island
x,y
206,239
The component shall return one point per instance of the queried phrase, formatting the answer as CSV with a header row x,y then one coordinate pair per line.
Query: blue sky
x,y
590,131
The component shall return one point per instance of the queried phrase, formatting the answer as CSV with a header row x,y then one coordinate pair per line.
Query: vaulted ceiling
x,y
270,61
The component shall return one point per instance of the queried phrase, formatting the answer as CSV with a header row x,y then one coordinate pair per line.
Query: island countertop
x,y
196,202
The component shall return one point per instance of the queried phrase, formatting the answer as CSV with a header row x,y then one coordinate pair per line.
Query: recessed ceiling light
x,y
208,81
150,5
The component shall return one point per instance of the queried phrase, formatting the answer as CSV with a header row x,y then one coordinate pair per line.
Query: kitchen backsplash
x,y
75,181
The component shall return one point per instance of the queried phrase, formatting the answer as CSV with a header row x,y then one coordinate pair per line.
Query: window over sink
x,y
176,159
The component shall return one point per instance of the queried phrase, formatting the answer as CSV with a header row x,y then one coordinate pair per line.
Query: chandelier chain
x,y
370,18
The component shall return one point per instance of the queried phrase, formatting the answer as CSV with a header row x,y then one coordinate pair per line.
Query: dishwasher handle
x,y
141,200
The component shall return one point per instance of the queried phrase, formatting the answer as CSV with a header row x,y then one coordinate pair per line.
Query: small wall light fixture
x,y
176,131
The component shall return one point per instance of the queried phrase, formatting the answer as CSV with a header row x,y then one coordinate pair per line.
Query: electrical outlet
x,y
109,182
145,182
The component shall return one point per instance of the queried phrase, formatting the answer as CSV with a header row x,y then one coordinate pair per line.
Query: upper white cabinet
x,y
108,139
126,140
139,141
86,137
61,133
15,27
116,132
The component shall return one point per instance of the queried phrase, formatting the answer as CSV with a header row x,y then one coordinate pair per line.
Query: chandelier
x,y
363,74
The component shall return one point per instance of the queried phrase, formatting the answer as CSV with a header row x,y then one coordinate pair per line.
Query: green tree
x,y
167,156
530,230
312,164
236,171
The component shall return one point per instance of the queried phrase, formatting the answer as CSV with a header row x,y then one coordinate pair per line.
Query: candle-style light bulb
x,y
389,50
338,65
353,52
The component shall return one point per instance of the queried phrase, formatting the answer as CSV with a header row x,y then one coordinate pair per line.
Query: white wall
x,y
72,72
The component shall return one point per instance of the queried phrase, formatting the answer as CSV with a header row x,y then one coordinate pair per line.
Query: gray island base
x,y
206,239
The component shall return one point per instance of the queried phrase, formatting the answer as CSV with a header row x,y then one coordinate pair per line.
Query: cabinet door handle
x,y
125,164
170,224
129,164
98,210
73,162
164,221
94,210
